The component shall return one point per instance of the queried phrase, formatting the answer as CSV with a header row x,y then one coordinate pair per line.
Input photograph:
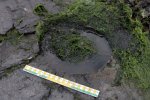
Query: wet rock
x,y
22,86
89,65
13,54
20,14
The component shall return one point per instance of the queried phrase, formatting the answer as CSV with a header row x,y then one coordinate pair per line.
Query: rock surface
x,y
20,14
13,54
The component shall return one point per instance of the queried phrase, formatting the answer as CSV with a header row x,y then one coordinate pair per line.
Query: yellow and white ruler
x,y
61,81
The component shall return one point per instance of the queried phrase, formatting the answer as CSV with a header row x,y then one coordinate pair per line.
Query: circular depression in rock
x,y
71,46
89,65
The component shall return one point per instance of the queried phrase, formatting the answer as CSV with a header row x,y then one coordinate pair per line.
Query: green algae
x,y
71,47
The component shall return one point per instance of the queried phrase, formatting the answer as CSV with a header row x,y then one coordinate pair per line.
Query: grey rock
x,y
56,95
5,19
20,14
13,54
103,81
121,39
120,93
131,1
22,86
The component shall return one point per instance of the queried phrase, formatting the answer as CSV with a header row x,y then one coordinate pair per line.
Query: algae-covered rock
x,y
98,15
131,49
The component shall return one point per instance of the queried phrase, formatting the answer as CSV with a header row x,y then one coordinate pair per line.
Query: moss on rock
x,y
2,38
135,63
40,10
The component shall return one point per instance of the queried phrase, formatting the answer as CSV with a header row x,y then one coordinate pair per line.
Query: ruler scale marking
x,y
61,81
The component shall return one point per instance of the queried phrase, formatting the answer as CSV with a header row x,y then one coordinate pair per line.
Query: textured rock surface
x,y
22,86
97,60
20,14
12,54
5,19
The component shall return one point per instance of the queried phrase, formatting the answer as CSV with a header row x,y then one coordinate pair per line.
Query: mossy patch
x,y
71,46
99,15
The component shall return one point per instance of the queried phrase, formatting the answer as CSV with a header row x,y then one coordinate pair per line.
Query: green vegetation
x,y
135,64
99,15
106,18
71,47
40,30
2,38
40,10
13,36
